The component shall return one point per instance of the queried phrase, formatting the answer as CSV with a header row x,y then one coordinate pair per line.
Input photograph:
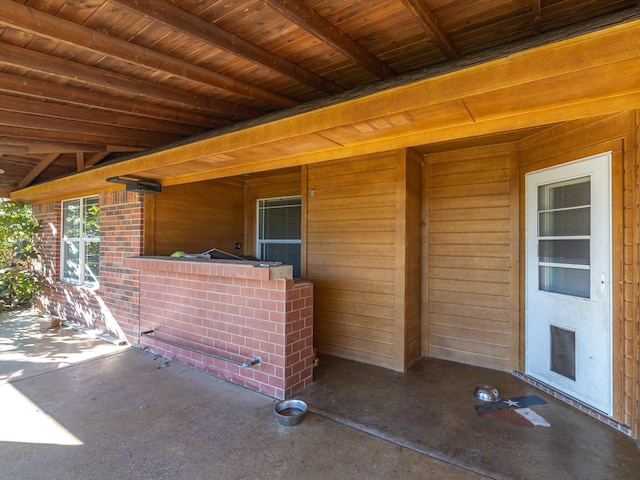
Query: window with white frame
x,y
279,231
81,241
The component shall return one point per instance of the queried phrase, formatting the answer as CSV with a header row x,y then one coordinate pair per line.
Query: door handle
x,y
603,282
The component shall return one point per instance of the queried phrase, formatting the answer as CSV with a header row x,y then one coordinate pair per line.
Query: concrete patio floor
x,y
76,407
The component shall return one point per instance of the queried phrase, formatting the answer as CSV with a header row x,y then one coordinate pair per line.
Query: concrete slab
x,y
75,407
132,415
432,409
31,344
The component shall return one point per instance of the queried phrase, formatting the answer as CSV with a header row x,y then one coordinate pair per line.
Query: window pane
x,y
567,281
575,252
574,193
565,222
91,262
287,253
91,218
71,219
81,248
71,267
280,219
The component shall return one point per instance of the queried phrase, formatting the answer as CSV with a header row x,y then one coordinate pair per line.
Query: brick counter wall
x,y
233,310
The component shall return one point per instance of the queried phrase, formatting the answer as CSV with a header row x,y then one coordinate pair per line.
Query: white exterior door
x,y
568,279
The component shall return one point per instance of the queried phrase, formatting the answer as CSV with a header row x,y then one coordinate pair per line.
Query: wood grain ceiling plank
x,y
117,83
38,89
431,25
35,146
307,19
119,144
514,68
54,28
34,121
210,33
56,111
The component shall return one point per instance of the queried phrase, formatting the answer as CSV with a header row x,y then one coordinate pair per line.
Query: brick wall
x,y
230,310
113,307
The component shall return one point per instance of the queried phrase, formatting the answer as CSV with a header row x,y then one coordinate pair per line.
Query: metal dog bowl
x,y
487,393
290,412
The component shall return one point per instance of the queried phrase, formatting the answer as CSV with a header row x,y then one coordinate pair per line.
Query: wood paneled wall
x,y
470,236
580,139
357,248
195,217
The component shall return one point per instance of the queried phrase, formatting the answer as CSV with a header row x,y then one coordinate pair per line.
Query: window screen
x,y
279,231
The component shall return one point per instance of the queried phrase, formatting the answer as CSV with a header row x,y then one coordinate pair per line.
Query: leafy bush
x,y
19,284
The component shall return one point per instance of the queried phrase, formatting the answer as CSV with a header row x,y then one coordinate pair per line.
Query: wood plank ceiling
x,y
86,81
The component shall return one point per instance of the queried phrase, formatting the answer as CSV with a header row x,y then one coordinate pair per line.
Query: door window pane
x,y
573,193
565,223
564,237
566,281
564,251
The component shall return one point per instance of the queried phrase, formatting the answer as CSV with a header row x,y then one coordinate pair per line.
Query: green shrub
x,y
19,284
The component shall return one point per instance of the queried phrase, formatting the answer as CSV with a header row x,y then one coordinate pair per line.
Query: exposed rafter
x,y
305,17
116,83
537,15
59,93
48,26
85,82
432,27
183,21
38,169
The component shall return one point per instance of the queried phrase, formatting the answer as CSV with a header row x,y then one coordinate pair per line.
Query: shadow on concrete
x,y
27,350
75,407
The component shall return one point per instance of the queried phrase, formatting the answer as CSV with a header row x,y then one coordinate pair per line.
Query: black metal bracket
x,y
137,185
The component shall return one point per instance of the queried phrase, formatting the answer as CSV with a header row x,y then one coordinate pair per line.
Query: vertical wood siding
x,y
195,217
469,244
580,139
351,257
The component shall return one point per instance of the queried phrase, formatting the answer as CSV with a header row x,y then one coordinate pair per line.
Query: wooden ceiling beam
x,y
79,161
10,103
41,90
9,144
38,169
192,25
116,83
5,192
21,120
48,26
536,9
307,19
95,159
430,23
46,135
